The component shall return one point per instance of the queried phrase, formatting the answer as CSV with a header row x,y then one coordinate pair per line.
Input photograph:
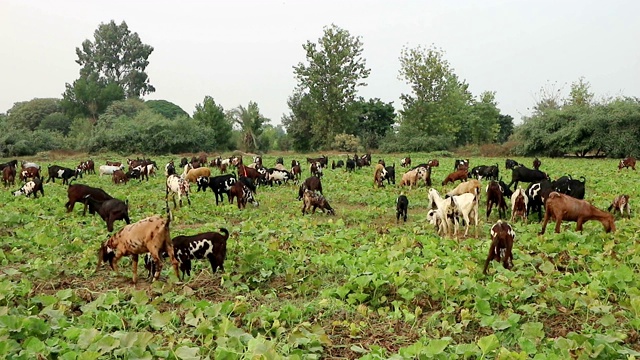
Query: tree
x,y
334,70
166,108
482,124
90,96
212,116
298,121
506,128
439,103
375,119
29,114
56,122
251,124
117,56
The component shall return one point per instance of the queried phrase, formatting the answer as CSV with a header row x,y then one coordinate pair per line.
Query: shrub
x,y
346,142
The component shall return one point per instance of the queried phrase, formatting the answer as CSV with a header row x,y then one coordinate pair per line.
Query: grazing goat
x,y
311,183
77,192
495,197
519,205
313,200
568,186
109,169
564,207
114,163
435,218
621,202
150,235
629,162
491,172
63,173
244,195
411,177
501,248
537,194
119,177
12,163
402,204
405,162
439,217
9,176
222,184
29,173
461,164
194,174
109,210
31,187
177,186
461,175
209,245
524,174
472,187
466,205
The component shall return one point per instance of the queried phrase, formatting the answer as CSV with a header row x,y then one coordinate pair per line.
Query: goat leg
x,y
134,260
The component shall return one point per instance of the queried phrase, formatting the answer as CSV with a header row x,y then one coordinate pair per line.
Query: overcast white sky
x,y
238,51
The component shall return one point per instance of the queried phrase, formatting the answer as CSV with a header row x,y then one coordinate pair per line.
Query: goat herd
x,y
562,199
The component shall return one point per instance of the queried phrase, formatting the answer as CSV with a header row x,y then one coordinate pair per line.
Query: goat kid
x,y
501,248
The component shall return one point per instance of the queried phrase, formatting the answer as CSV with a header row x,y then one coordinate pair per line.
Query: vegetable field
x,y
354,285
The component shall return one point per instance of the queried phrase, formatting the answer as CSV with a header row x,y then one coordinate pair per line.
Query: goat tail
x,y
225,232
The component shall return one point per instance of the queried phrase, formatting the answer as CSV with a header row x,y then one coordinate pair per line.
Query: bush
x,y
346,142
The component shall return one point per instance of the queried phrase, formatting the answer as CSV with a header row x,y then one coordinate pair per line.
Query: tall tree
x,y
482,124
506,128
439,102
251,124
117,56
331,76
212,116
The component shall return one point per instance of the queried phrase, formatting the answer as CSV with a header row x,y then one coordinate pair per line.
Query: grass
x,y
355,285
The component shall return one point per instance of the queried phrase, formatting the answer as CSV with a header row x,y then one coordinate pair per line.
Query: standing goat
x,y
177,186
519,204
402,204
502,237
621,202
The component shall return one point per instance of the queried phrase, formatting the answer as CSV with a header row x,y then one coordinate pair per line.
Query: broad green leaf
x,y
547,267
488,343
187,353
483,307
160,320
436,346
608,320
34,345
533,330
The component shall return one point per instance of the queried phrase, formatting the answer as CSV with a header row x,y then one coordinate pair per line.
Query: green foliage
x,y
166,108
29,114
20,142
374,121
127,108
90,96
439,104
150,133
56,122
580,126
251,124
273,138
333,71
298,121
482,125
116,56
212,117
506,128
346,142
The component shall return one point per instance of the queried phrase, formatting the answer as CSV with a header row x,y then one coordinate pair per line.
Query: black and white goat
x,y
31,187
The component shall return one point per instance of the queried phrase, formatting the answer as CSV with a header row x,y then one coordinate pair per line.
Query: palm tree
x,y
251,124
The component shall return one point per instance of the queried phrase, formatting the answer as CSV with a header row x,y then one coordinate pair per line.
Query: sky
x,y
240,51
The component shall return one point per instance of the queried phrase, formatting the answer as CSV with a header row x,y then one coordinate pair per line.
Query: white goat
x,y
442,205
179,186
186,171
466,205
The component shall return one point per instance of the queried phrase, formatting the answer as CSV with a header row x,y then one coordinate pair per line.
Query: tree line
x,y
103,109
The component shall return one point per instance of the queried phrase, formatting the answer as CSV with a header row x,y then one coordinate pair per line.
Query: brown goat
x,y
461,175
29,173
629,162
564,207
114,163
311,183
495,197
619,204
119,177
9,176
502,237
77,192
378,175
150,235
313,200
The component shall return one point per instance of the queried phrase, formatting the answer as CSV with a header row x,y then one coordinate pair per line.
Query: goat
x,y
9,176
629,162
243,193
461,175
621,202
311,183
109,210
77,192
209,245
149,235
501,248
313,200
30,173
378,175
405,162
519,205
177,186
119,177
109,169
402,204
411,177
435,218
467,206
536,164
564,207
31,187
524,174
194,174
495,197
63,173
